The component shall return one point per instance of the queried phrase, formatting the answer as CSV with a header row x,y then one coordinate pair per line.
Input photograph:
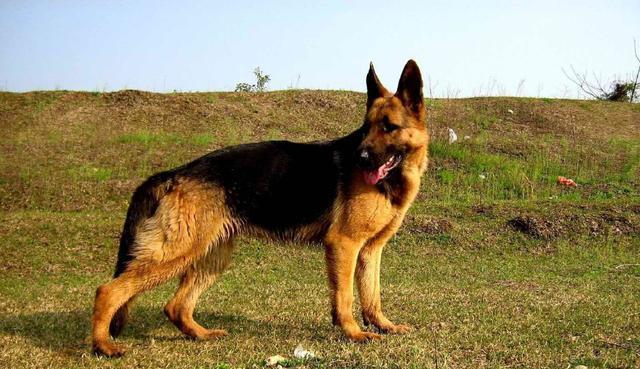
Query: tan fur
x,y
186,221
193,282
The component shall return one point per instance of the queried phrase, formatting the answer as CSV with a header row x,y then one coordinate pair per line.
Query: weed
x,y
261,82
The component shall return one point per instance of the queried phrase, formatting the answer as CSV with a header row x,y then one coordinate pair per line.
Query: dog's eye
x,y
388,126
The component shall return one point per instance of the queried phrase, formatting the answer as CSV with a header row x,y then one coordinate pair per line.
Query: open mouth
x,y
374,176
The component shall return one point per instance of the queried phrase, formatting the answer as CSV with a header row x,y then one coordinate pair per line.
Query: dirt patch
x,y
431,226
635,208
537,227
551,227
482,209
620,224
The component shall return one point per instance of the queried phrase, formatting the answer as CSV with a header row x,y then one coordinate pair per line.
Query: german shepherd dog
x,y
350,195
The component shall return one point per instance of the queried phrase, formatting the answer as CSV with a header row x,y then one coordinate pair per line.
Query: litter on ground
x,y
274,360
567,181
301,353
453,137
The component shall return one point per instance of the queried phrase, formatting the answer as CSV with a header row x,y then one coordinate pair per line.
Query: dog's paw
x,y
203,334
362,337
384,325
107,349
214,333
396,328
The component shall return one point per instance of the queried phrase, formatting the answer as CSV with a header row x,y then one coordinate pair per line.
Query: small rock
x,y
580,367
482,176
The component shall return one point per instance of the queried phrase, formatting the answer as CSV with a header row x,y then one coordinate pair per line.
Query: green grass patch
x,y
90,173
203,139
467,172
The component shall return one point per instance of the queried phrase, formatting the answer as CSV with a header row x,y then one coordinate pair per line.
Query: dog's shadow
x,y
64,332
68,332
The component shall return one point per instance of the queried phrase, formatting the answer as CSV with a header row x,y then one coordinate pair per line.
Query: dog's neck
x,y
402,187
418,159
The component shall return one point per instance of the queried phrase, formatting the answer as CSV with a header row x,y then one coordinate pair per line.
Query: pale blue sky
x,y
463,47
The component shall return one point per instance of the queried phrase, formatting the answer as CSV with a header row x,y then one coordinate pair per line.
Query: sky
x,y
464,48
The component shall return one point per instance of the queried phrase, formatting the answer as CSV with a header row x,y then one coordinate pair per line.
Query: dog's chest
x,y
366,213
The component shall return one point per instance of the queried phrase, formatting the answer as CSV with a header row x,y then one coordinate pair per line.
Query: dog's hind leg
x,y
194,281
114,294
189,221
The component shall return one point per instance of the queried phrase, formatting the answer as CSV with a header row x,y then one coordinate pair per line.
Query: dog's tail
x,y
144,203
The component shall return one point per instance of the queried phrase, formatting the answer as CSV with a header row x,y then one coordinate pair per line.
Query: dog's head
x,y
394,124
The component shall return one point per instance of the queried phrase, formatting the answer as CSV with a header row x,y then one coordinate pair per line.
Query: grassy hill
x,y
496,266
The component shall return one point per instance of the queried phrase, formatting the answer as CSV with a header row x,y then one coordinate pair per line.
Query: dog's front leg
x,y
341,254
368,278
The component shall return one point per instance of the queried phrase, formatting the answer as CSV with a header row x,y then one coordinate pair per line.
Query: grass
x,y
89,173
145,138
532,175
560,290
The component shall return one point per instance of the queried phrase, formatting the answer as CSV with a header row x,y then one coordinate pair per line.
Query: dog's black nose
x,y
364,158
364,154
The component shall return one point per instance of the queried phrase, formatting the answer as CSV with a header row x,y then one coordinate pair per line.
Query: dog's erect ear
x,y
375,89
410,87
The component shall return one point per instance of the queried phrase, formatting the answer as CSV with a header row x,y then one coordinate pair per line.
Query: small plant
x,y
244,87
260,85
621,91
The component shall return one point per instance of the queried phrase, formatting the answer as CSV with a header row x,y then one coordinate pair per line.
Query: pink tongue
x,y
372,177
